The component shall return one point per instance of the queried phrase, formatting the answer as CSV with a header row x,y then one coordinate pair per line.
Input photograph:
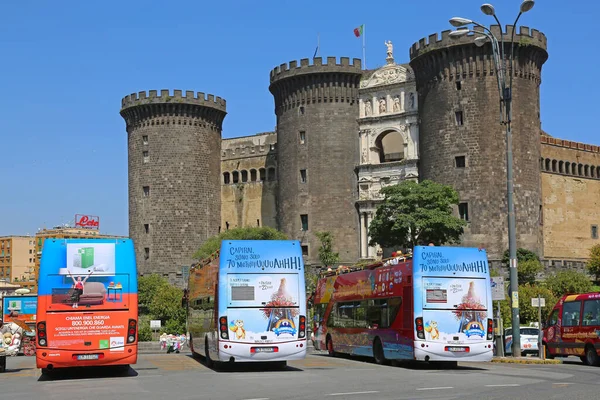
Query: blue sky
x,y
67,64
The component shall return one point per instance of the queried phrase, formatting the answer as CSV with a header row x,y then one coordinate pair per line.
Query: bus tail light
x,y
223,328
302,327
420,330
131,331
490,329
42,338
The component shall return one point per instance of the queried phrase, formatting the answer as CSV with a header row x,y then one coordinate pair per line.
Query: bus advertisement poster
x,y
23,308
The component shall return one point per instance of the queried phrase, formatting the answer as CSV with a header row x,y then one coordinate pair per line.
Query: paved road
x,y
179,377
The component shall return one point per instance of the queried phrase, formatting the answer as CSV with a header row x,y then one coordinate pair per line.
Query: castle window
x,y
146,253
146,190
460,161
305,250
244,176
553,165
567,168
226,225
586,170
302,137
271,174
145,139
147,228
226,178
547,164
390,146
146,157
262,174
561,167
580,169
301,110
235,177
594,231
592,171
257,222
459,118
458,85
304,221
253,175
303,176
463,211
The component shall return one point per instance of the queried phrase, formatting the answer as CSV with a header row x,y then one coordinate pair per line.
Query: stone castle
x,y
342,134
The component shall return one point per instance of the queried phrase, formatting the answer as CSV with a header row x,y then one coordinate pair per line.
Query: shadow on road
x,y
245,366
412,365
76,373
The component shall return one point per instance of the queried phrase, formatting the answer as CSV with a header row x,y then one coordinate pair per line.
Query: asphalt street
x,y
179,376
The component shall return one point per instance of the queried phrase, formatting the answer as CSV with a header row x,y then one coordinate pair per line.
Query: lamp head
x,y
458,21
527,5
458,33
480,41
488,9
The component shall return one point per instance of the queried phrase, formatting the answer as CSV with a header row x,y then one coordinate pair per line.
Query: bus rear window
x,y
242,293
263,290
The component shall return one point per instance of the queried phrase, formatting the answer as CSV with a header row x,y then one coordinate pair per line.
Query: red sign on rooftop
x,y
87,221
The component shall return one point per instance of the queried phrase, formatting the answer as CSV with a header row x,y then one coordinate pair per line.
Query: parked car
x,y
529,340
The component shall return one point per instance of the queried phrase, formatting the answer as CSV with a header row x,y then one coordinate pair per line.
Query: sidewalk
x,y
525,360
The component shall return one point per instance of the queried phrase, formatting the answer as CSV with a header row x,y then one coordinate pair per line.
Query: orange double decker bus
x,y
87,304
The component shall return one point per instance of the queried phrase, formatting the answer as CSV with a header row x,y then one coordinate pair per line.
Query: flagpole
x,y
364,52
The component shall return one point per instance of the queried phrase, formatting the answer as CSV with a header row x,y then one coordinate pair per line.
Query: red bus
x,y
435,306
573,328
87,304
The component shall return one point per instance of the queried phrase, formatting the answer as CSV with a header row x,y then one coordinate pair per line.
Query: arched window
x,y
547,164
262,174
561,166
390,146
580,169
244,176
592,171
567,167
235,177
586,170
253,175
542,164
226,178
553,165
271,174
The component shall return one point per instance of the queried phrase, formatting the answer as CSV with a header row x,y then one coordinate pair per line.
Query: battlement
x,y
305,67
523,37
569,144
190,97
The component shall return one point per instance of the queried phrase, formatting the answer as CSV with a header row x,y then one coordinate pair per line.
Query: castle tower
x,y
317,110
174,144
462,142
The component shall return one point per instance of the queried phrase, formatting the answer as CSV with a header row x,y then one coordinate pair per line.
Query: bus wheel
x,y
591,356
329,345
2,363
547,354
209,361
378,352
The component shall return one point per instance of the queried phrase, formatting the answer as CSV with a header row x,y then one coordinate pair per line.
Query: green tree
x,y
522,255
527,312
527,271
593,264
249,233
159,300
416,214
326,254
568,281
148,288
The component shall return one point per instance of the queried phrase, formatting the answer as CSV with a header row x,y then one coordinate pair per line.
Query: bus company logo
x,y
117,344
474,328
285,326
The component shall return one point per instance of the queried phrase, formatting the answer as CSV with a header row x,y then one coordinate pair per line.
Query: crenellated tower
x,y
317,108
174,145
462,142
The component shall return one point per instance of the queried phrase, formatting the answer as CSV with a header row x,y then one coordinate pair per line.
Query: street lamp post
x,y
505,91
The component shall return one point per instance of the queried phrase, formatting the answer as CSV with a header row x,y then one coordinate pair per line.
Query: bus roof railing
x,y
344,269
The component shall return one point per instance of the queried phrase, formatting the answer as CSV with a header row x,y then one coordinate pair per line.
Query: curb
x,y
509,360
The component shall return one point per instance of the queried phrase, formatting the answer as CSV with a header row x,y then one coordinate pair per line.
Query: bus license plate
x,y
264,349
457,349
88,357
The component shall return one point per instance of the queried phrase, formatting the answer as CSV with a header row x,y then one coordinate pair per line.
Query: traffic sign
x,y
498,289
538,302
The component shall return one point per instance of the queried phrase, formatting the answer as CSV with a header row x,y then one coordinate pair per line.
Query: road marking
x,y
261,398
343,394
437,388
508,384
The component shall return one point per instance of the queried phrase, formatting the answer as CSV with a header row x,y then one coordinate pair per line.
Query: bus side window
x,y
553,318
571,313
591,312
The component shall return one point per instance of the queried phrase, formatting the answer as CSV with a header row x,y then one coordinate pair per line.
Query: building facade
x,y
17,260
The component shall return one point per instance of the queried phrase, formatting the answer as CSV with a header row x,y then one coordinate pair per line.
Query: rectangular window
x,y
145,139
30,251
463,211
302,137
305,250
594,231
301,110
459,118
147,228
460,162
146,190
591,312
571,313
146,156
458,85
303,176
304,220
146,253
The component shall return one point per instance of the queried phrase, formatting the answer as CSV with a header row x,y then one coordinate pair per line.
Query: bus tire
x,y
2,363
378,352
329,344
547,354
209,362
591,356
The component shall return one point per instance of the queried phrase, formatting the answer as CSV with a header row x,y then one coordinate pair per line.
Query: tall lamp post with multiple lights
x,y
505,91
